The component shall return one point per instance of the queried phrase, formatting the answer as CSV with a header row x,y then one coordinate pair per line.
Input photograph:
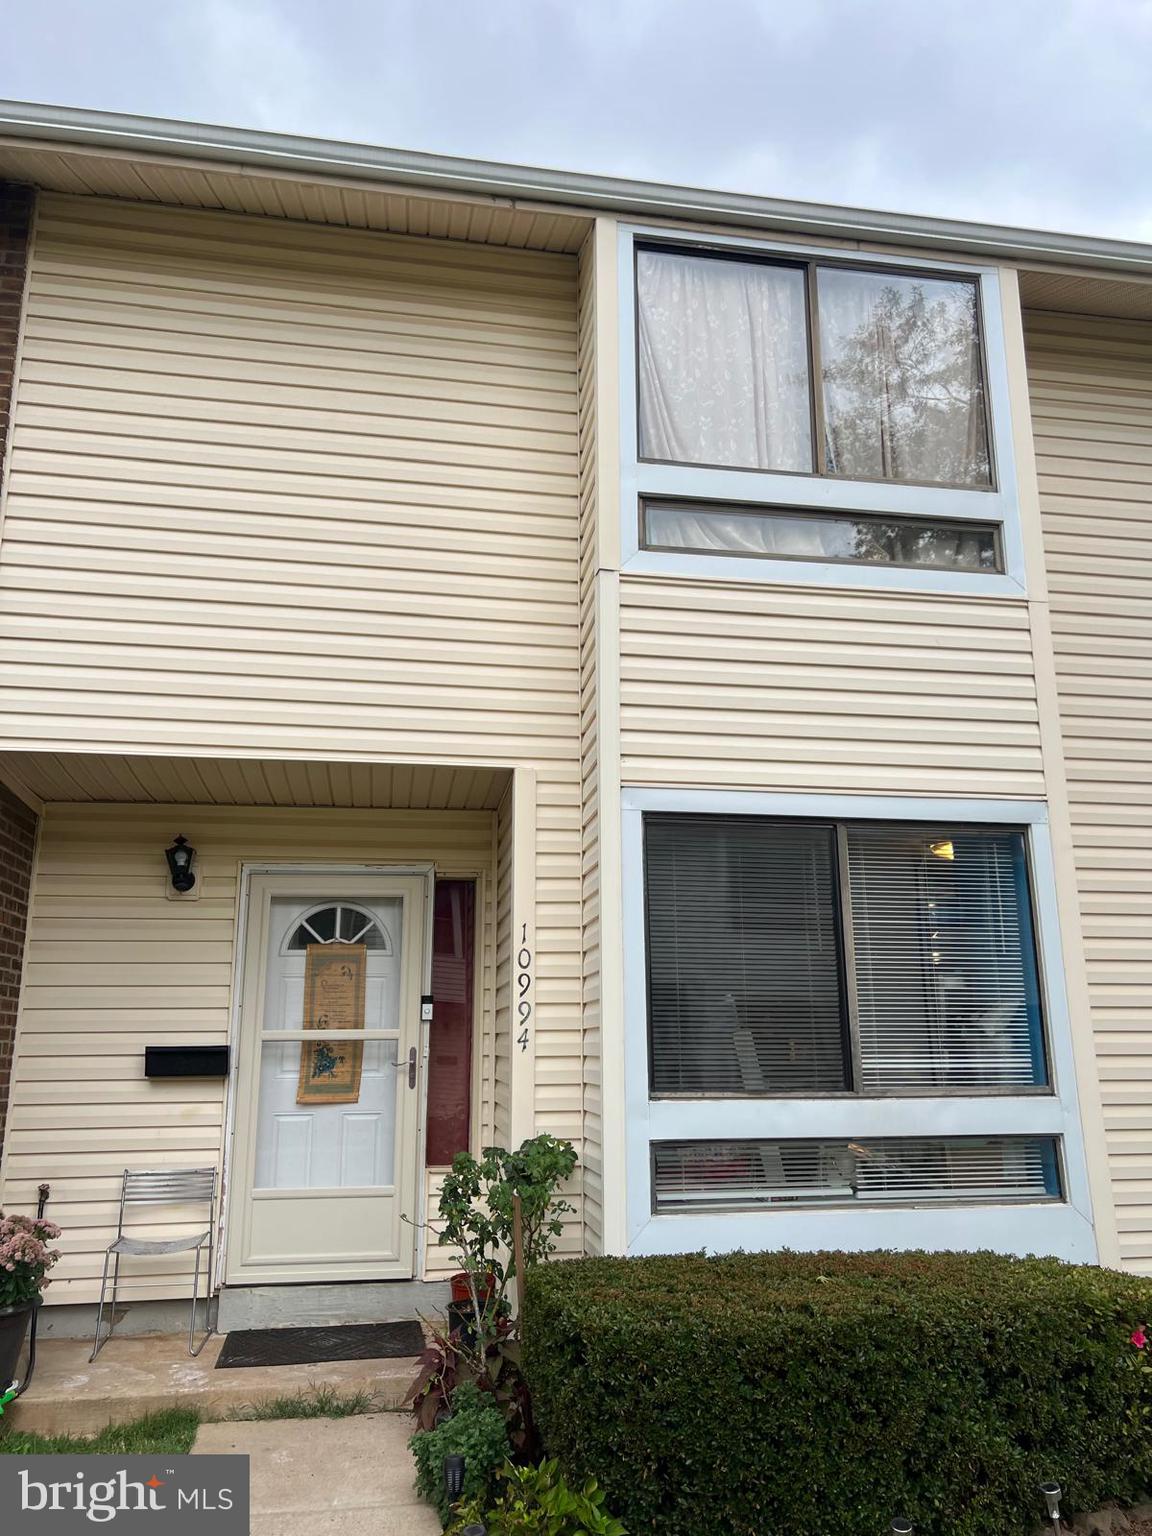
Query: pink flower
x,y
1139,1338
25,1255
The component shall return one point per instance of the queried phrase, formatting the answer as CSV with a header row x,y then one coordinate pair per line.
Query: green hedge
x,y
822,1394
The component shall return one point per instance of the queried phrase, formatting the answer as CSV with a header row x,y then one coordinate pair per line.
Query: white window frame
x,y
820,493
1063,1227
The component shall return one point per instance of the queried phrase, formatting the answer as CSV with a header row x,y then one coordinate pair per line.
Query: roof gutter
x,y
248,149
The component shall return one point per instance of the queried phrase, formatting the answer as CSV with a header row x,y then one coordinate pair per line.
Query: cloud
x,y
255,60
1030,111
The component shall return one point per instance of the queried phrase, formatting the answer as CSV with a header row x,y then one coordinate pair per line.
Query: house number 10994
x,y
524,989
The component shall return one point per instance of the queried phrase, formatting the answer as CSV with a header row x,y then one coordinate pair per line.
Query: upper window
x,y
811,368
789,957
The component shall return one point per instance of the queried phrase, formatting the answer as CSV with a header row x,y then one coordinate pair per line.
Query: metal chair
x,y
161,1186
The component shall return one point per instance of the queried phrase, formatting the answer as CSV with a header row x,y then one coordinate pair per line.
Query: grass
x,y
173,1430
317,1403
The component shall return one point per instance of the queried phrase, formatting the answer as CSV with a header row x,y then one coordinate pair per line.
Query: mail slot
x,y
185,1061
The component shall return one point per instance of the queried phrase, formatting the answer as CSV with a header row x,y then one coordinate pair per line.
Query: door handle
x,y
412,1067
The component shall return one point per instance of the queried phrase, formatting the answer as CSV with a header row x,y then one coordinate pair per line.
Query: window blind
x,y
743,1175
946,983
745,984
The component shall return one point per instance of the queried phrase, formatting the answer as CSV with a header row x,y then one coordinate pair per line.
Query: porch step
x,y
133,1377
324,1306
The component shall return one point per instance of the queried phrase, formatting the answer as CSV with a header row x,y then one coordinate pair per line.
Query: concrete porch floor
x,y
134,1376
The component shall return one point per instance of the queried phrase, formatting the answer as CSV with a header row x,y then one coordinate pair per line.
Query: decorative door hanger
x,y
334,989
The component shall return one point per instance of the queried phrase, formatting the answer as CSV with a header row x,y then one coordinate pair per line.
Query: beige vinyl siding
x,y
287,488
113,965
1091,387
559,1044
289,491
554,1093
439,1261
590,1021
734,685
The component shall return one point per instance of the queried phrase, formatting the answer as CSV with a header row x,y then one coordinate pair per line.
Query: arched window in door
x,y
339,923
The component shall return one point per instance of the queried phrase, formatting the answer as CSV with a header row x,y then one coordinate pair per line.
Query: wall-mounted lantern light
x,y
180,857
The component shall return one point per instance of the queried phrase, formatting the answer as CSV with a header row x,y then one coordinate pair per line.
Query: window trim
x,y
812,490
1064,1227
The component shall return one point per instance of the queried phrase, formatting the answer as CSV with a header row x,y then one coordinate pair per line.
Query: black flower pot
x,y
13,1331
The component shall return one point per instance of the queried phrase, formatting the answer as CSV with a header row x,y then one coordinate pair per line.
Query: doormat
x,y
317,1346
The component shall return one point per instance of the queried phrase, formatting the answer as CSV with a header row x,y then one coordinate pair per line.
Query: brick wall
x,y
17,838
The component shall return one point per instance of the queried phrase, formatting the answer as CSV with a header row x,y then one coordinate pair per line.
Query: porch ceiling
x,y
79,777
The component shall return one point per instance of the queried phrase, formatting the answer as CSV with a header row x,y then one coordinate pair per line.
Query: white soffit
x,y
1087,294
280,195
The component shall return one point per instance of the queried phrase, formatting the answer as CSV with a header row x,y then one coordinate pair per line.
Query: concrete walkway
x,y
327,1477
134,1376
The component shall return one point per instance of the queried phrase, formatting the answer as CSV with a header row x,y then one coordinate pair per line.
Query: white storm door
x,y
327,1090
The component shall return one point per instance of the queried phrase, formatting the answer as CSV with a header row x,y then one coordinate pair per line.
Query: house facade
x,y
671,670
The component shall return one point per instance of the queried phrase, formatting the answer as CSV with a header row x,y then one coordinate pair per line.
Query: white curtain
x,y
903,396
723,360
672,525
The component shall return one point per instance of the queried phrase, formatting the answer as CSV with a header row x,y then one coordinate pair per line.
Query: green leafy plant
x,y
478,1203
475,1431
809,1393
477,1211
536,1501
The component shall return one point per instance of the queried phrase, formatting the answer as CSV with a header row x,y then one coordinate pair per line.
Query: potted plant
x,y
478,1201
499,1212
25,1259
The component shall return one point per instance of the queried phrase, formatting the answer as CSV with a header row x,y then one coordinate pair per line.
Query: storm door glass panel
x,y
328,1104
317,1145
744,983
947,983
723,362
902,378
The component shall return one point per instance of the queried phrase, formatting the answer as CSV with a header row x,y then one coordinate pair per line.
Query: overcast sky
x,y
1034,112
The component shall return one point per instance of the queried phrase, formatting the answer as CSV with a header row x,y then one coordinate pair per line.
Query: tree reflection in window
x,y
902,378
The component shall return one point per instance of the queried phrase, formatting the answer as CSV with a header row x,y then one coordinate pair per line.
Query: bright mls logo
x,y
61,1495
